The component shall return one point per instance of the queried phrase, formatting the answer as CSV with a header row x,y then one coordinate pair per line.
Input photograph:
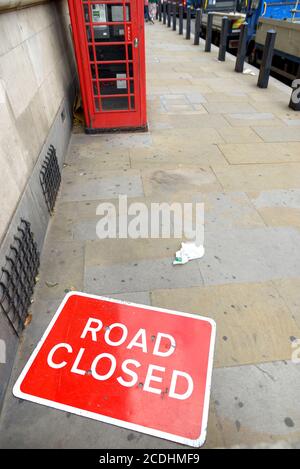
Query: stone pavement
x,y
214,137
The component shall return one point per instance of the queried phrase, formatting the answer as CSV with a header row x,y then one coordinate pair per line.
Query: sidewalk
x,y
215,138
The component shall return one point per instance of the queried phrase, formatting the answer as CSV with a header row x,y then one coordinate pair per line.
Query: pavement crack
x,y
266,373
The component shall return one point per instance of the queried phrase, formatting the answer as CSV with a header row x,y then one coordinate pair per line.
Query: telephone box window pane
x,y
103,13
115,33
131,70
86,13
118,86
101,33
88,34
112,70
115,104
99,13
114,87
129,52
91,53
132,102
117,13
97,104
108,53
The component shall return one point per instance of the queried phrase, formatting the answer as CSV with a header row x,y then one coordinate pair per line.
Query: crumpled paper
x,y
188,252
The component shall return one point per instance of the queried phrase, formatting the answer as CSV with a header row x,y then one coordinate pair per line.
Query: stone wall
x,y
36,71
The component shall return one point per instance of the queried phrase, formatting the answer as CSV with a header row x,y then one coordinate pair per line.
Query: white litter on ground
x,y
188,252
248,71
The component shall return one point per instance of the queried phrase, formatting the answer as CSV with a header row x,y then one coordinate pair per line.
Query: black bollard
x,y
223,38
295,98
181,18
266,63
160,10
197,27
169,14
188,23
174,16
242,48
209,25
164,12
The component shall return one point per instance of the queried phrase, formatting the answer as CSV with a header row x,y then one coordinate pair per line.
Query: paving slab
x,y
141,276
231,97
289,289
101,185
201,122
269,134
238,119
257,403
179,181
243,135
107,142
278,207
259,177
261,152
224,211
254,323
115,251
61,269
204,156
141,297
95,154
249,255
228,107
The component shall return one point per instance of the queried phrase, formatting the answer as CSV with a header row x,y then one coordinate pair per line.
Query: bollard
x,y
266,63
223,39
181,18
188,23
198,22
209,25
174,16
242,49
295,97
164,12
160,10
169,14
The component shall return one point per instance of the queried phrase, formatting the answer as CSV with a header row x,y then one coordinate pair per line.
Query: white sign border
x,y
103,418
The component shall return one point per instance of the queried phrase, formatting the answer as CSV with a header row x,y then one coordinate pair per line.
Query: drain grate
x,y
50,178
18,277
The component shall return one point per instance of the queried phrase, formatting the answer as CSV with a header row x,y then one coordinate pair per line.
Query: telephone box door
x,y
110,52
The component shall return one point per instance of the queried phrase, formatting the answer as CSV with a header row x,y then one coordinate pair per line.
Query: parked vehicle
x,y
235,10
286,58
250,11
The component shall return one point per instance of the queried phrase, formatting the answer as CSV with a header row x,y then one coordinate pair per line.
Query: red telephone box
x,y
110,51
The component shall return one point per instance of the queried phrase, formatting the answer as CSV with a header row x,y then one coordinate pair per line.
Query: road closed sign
x,y
138,367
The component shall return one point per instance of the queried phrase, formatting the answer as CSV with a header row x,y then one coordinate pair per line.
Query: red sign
x,y
138,367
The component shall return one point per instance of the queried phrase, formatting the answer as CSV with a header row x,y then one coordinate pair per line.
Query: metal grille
x,y
50,178
18,277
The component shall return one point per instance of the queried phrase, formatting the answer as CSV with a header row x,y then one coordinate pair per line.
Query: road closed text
x,y
104,366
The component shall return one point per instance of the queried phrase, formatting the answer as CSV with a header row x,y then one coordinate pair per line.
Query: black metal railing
x,y
18,277
50,178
